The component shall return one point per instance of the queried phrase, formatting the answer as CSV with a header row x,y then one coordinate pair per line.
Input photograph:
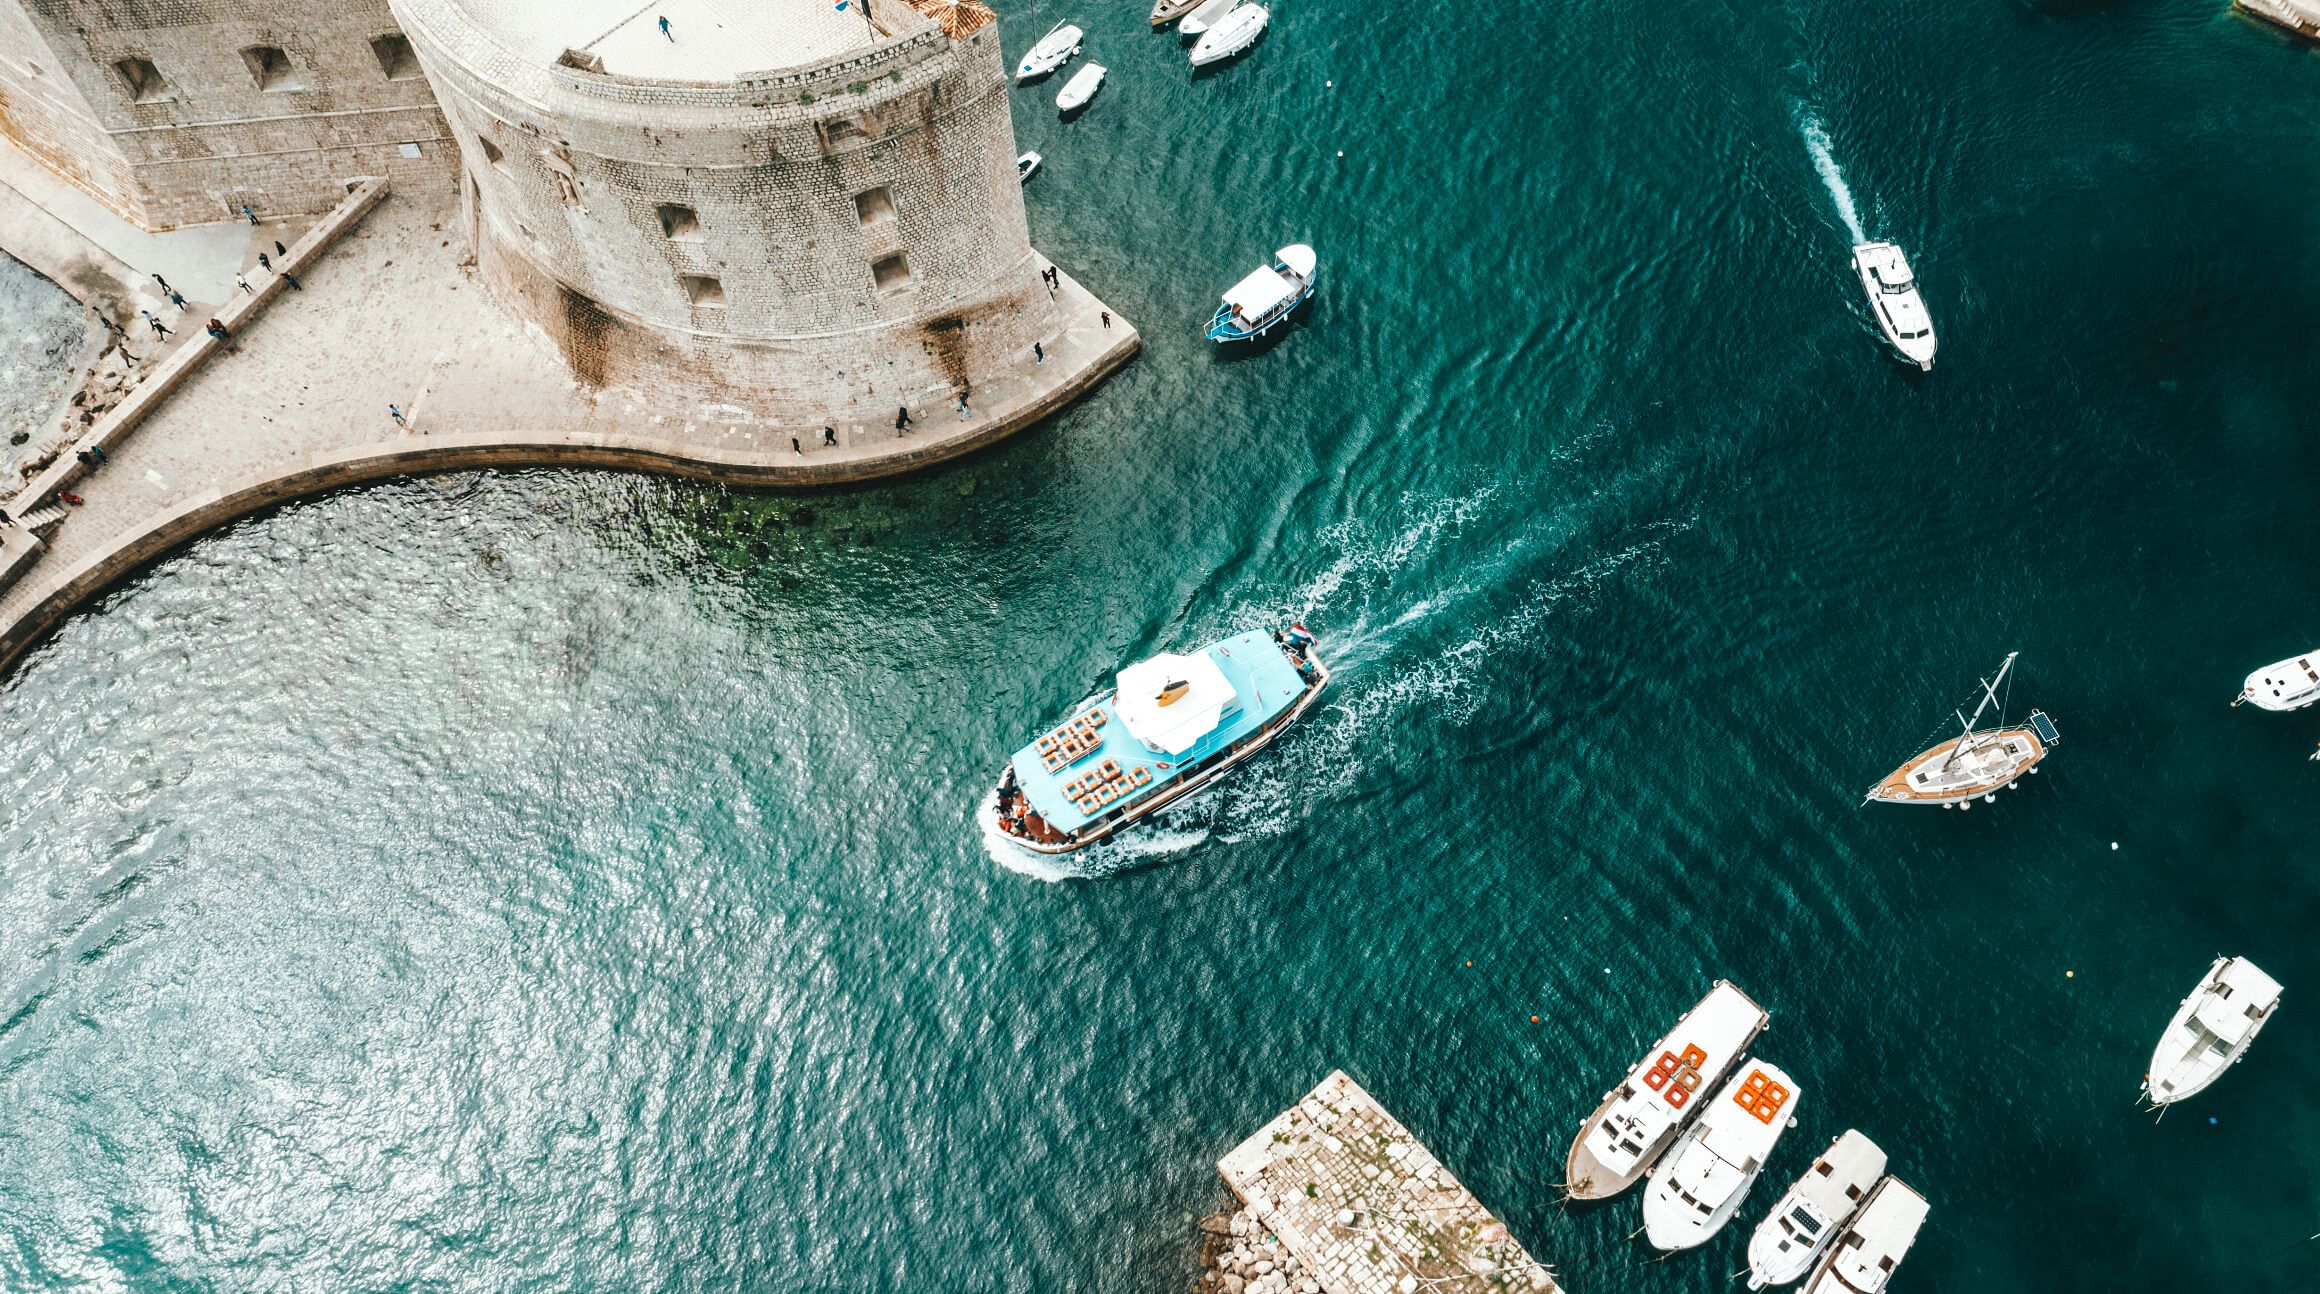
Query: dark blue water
x,y
545,881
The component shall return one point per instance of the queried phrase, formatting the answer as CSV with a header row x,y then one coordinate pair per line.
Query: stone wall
x,y
179,112
827,240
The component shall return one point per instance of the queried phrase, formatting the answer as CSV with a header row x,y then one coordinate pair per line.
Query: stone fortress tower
x,y
783,206
179,112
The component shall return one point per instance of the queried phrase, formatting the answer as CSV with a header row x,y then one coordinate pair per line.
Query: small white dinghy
x,y
1080,88
1053,51
1232,33
1792,1237
2211,1030
1025,165
1894,299
1204,17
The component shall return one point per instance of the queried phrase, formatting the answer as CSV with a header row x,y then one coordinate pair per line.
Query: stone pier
x,y
2299,16
1339,1197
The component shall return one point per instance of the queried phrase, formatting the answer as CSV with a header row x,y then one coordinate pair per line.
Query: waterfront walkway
x,y
297,403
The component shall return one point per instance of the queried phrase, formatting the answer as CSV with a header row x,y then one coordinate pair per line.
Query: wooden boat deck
x,y
2021,751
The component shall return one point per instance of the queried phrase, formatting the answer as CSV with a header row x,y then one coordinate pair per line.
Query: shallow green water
x,y
559,881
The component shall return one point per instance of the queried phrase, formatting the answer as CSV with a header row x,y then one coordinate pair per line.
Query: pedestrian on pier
x,y
218,330
177,300
795,447
160,329
829,435
292,280
665,29
1107,318
245,285
162,281
1038,353
395,412
248,214
902,420
97,455
265,263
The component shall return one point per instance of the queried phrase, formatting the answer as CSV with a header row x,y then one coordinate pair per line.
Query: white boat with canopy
x,y
1895,300
2211,1030
1051,52
1642,1115
1698,1187
2291,684
1800,1227
1864,1258
1234,32
1204,16
1978,762
1256,304
1080,88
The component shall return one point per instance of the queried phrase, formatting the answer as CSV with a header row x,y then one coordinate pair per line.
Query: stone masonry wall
x,y
175,114
715,243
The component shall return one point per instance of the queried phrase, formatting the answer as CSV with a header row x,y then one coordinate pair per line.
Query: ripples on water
x,y
552,881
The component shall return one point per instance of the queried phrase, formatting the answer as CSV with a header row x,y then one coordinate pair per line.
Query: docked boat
x,y
1168,11
1051,52
1236,31
2291,684
1080,88
1800,1227
1642,1115
1169,726
2211,1030
1025,165
1253,306
1865,1256
1894,299
1204,16
1975,764
1698,1186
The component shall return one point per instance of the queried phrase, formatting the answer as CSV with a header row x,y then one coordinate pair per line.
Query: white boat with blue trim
x,y
1266,298
1169,726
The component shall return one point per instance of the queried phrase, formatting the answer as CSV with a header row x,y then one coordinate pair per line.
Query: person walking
x,y
218,330
160,329
177,300
396,412
902,420
162,281
829,435
265,263
1107,318
665,29
963,412
1038,353
249,215
245,283
292,280
795,447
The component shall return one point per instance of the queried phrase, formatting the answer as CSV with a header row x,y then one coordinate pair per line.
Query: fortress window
x,y
271,69
396,60
891,272
702,290
679,224
875,207
143,79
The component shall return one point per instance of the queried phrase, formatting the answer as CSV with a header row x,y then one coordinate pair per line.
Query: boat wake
x,y
1139,846
1816,142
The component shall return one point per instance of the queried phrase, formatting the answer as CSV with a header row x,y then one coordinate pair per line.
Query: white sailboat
x,y
1895,300
1051,52
1864,1258
1697,1188
2211,1030
1975,764
1642,1115
2291,684
1234,32
1800,1227
1080,88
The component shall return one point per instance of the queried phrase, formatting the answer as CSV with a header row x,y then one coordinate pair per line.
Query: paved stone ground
x,y
390,315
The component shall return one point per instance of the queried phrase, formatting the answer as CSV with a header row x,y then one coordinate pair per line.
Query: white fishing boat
x,y
1698,1186
1234,32
1168,11
1642,1115
1975,764
1267,297
1800,1227
1051,52
1025,165
1894,299
1866,1255
2211,1030
2291,684
1080,88
1204,16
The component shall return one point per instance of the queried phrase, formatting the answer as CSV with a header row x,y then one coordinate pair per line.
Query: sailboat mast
x,y
1989,694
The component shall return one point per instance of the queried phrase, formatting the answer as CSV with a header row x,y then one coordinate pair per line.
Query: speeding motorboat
x,y
1080,88
1253,306
1234,32
1053,51
1894,299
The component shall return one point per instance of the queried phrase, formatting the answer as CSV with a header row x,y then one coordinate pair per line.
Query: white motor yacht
x,y
2211,1030
1894,299
2291,684
1699,1184
1080,88
1053,51
1234,32
1642,1115
1204,17
1801,1226
1865,1256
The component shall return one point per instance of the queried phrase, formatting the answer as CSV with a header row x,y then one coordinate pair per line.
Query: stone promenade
x,y
297,403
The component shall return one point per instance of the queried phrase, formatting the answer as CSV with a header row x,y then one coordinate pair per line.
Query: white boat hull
x,y
1080,88
1054,50
2190,1057
2291,684
1204,17
1233,33
1895,301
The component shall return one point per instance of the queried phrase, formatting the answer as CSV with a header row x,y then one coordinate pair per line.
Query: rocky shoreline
x,y
1239,1256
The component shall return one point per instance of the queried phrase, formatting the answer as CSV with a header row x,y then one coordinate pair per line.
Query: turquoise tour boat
x,y
1171,725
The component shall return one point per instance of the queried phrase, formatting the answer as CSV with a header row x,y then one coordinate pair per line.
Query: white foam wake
x,y
1816,142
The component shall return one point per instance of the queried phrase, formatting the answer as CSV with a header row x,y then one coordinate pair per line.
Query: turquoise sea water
x,y
549,881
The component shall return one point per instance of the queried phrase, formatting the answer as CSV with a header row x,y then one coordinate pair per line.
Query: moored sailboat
x,y
1975,764
1642,1115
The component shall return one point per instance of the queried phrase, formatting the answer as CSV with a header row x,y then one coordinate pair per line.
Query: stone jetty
x,y
1336,1197
2299,16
